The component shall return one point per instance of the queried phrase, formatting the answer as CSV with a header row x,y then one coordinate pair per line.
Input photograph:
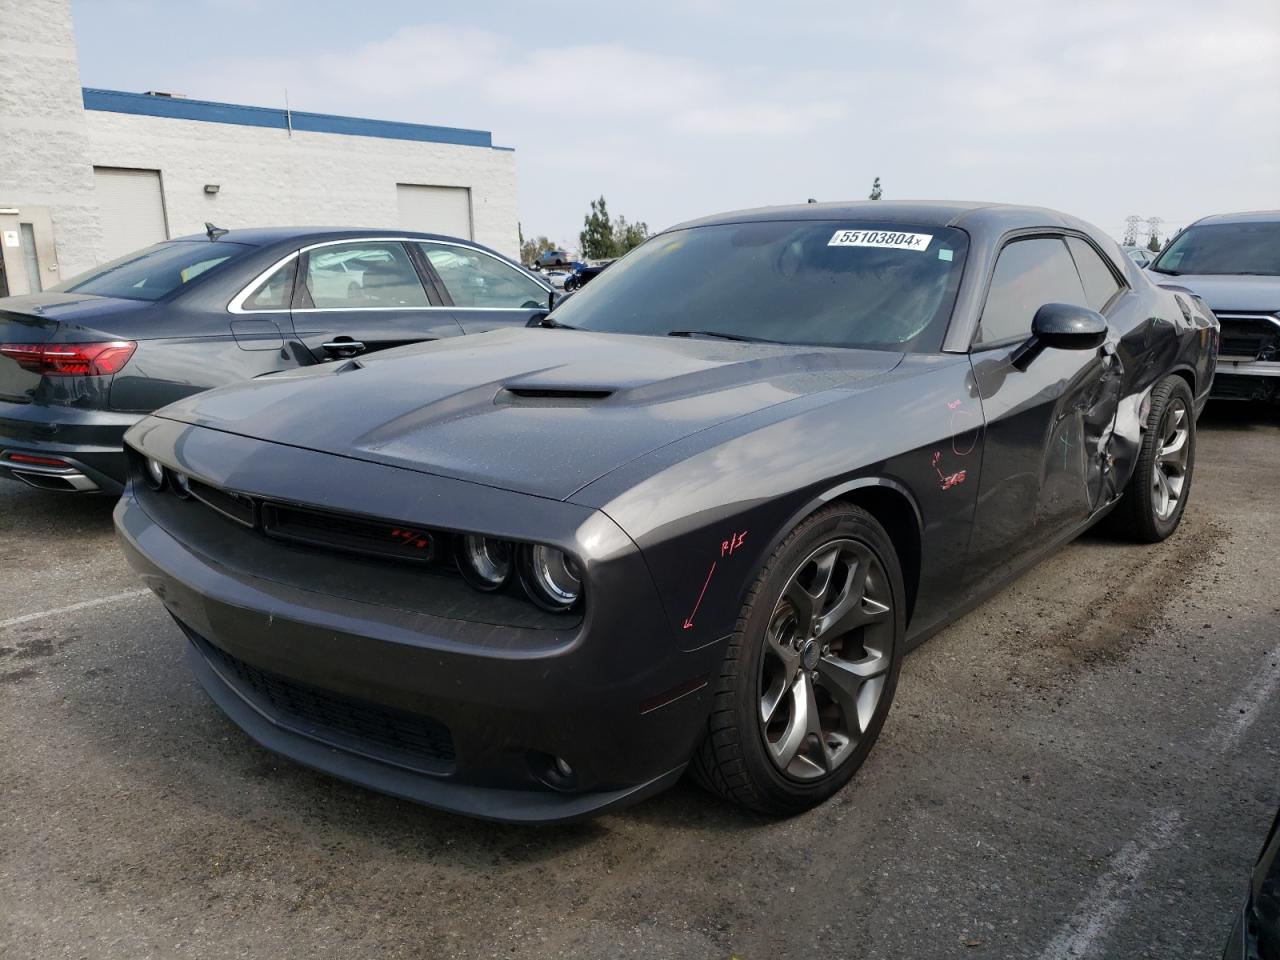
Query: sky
x,y
673,110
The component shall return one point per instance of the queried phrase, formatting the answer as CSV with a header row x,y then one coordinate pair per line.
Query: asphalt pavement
x,y
1084,766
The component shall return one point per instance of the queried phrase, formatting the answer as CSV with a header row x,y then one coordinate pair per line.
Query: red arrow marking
x,y
688,621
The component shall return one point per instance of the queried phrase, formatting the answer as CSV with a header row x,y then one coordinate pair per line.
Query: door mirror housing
x,y
1062,326
1068,327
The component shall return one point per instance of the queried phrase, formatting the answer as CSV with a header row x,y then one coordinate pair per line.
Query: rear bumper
x,y
458,716
90,442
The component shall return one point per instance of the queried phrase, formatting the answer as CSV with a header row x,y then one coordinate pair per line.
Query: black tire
x,y
736,759
1142,513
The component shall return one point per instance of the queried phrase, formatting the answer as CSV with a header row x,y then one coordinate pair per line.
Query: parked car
x,y
1139,255
584,274
1233,262
536,574
81,363
1255,935
554,258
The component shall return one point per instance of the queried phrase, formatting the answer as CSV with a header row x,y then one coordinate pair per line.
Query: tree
x,y
603,239
875,190
627,236
1154,244
597,239
530,250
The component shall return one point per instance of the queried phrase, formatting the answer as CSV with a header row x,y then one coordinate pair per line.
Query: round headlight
x,y
551,578
485,562
181,485
155,474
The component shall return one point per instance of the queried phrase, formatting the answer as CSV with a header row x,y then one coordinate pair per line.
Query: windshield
x,y
829,283
1224,248
156,271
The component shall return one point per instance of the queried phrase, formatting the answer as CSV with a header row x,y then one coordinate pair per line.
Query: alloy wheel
x,y
1169,471
828,650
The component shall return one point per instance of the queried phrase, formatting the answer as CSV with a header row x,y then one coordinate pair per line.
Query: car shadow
x,y
1239,416
32,513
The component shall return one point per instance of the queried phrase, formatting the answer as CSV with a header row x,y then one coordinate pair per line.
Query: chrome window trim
x,y
546,287
237,306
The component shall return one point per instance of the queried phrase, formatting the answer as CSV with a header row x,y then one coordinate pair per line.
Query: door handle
x,y
343,348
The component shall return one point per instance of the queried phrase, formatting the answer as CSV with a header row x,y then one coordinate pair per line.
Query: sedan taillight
x,y
71,359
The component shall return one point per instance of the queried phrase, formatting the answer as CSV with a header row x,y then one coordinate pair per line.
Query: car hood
x,y
1227,293
540,411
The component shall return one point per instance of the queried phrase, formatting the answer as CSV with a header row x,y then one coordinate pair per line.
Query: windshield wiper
x,y
719,336
1167,273
549,321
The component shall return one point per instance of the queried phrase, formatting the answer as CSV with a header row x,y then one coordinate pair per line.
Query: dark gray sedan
x,y
82,363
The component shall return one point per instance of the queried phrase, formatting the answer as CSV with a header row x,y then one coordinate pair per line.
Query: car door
x,y
359,296
485,292
1047,420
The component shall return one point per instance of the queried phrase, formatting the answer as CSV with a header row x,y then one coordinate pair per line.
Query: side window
x,y
1028,274
475,279
360,275
1100,284
274,292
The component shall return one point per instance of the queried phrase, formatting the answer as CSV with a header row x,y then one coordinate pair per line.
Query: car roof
x,y
268,236
1248,216
969,215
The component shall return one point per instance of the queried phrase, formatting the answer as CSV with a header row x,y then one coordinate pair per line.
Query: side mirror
x,y
1062,326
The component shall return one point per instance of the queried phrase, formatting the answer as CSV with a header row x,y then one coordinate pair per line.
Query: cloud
x,y
675,110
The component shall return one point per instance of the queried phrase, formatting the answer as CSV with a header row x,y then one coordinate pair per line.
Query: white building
x,y
87,175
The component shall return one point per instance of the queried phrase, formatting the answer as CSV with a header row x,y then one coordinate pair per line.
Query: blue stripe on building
x,y
180,108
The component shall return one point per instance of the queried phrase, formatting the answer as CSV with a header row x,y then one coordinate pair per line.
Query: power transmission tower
x,y
1131,223
1153,232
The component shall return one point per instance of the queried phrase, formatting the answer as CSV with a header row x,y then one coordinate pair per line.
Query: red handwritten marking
x,y
948,480
688,621
953,404
733,543
408,537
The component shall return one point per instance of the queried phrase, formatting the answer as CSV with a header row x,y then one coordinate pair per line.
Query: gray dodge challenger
x,y
693,518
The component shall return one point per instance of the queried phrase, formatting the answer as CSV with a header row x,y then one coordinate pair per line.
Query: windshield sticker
x,y
944,254
880,238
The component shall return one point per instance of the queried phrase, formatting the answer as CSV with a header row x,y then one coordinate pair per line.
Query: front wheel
x,y
811,669
1156,496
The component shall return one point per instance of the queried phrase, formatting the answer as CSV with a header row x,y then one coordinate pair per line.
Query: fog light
x,y
485,562
155,474
551,578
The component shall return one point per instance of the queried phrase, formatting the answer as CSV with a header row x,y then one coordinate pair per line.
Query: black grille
x,y
234,505
406,739
1234,387
1249,336
343,532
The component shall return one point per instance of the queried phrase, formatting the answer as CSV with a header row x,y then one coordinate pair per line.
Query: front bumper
x,y
1247,380
1249,358
465,717
91,442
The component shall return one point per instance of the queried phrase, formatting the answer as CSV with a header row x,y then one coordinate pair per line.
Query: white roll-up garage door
x,y
427,209
132,208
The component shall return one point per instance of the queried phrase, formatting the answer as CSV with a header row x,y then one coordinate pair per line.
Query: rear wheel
x,y
812,668
1157,494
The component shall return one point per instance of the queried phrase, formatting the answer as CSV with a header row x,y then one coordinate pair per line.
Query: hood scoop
x,y
528,395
